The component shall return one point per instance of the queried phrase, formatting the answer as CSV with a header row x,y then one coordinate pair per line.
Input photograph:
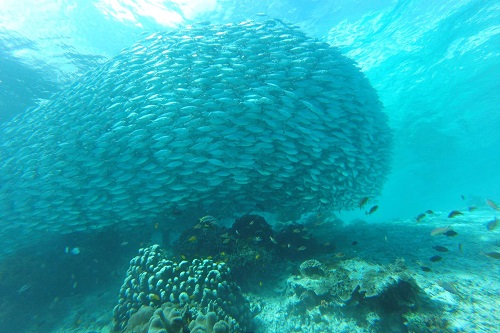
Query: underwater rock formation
x,y
197,287
220,117
250,247
381,298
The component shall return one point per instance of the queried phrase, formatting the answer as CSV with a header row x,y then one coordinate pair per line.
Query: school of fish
x,y
202,118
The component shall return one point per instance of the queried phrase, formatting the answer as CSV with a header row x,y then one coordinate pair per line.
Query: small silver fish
x,y
24,288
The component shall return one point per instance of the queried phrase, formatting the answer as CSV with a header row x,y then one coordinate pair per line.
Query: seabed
x,y
463,287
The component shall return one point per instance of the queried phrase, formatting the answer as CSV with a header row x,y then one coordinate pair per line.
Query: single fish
x,y
372,210
440,248
192,239
454,213
207,218
494,255
24,288
435,258
420,217
460,247
492,224
302,248
450,233
449,287
463,197
440,231
273,240
425,268
428,211
492,204
363,202
354,243
472,208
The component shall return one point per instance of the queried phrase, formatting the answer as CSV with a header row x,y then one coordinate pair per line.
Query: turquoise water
x,y
77,203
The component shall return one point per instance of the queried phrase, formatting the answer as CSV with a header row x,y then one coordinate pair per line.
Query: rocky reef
x,y
251,246
171,296
370,297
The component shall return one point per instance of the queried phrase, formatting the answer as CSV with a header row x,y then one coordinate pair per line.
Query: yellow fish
x,y
192,239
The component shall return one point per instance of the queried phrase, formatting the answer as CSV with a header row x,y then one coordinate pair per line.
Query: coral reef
x,y
139,321
166,320
312,268
250,247
192,288
208,324
171,318
376,297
